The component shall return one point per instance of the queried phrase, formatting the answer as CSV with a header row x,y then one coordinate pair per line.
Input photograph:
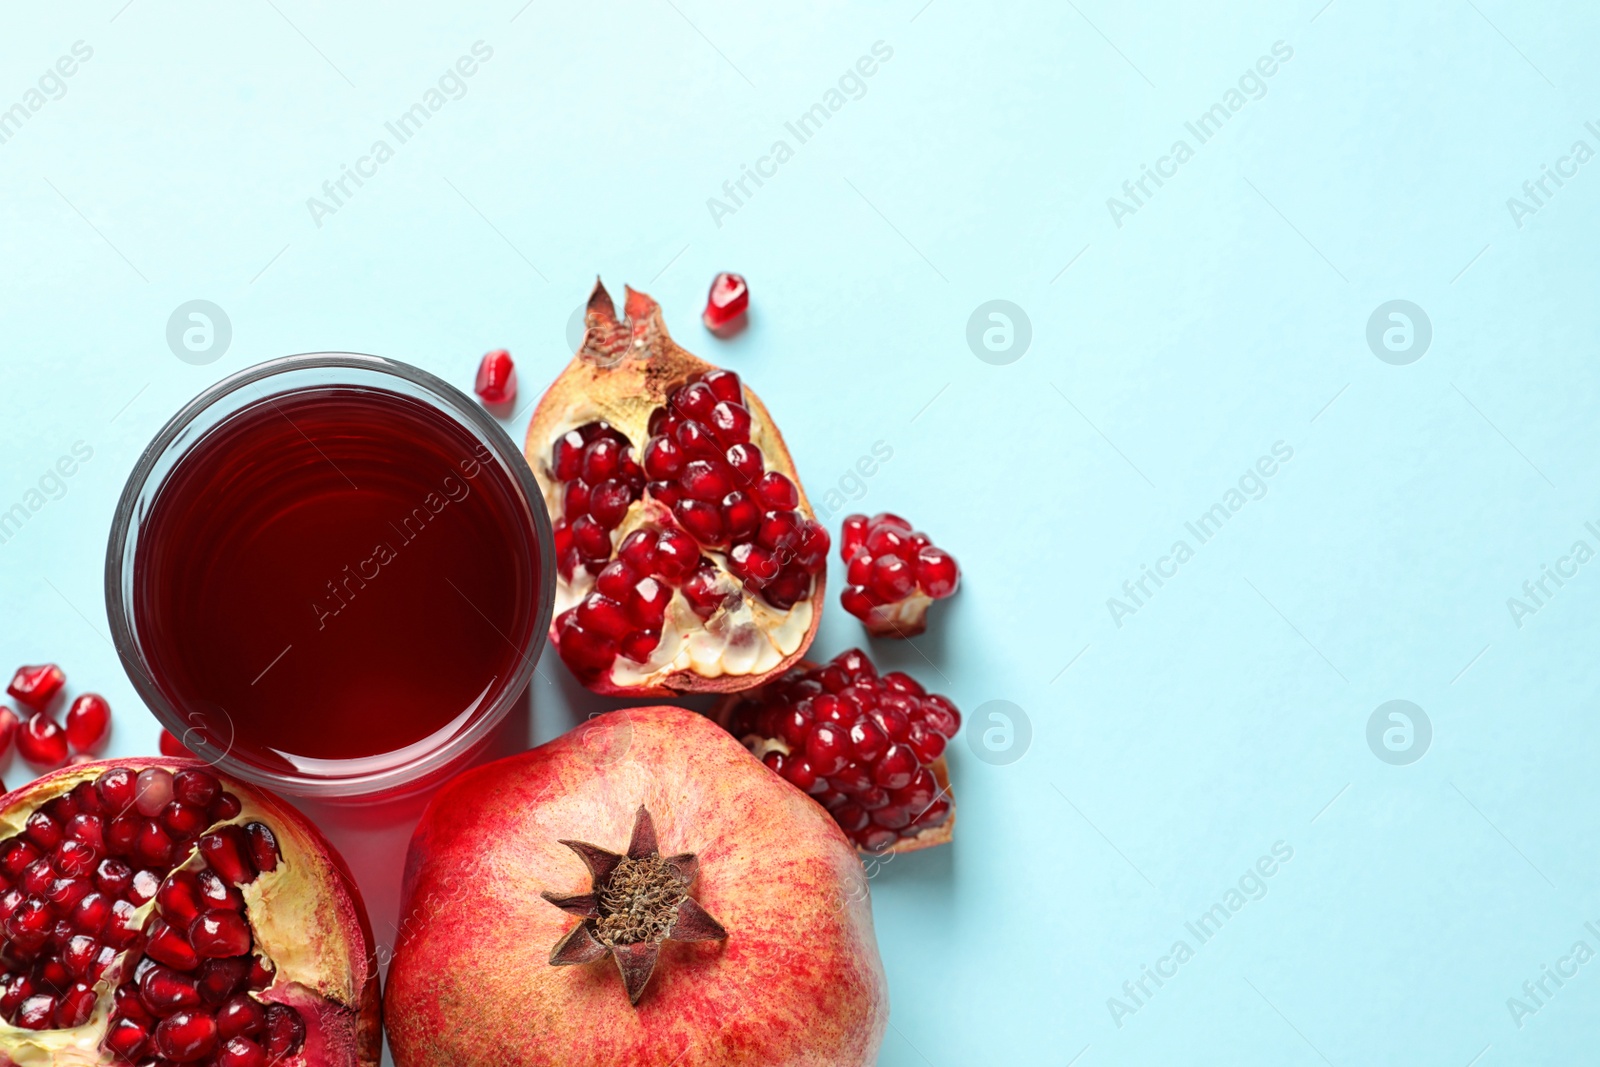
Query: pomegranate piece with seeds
x,y
688,558
894,573
35,686
869,748
154,912
497,378
729,298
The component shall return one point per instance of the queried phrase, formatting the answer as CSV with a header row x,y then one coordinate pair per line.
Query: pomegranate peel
x,y
796,981
639,900
688,557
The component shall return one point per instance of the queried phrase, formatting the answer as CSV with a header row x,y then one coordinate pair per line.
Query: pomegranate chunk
x,y
869,748
728,299
119,891
687,556
497,378
894,573
35,686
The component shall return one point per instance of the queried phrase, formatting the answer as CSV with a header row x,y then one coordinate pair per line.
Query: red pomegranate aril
x,y
853,534
88,828
171,746
215,893
118,789
892,579
728,299
853,779
42,830
896,768
647,602
496,382
41,742
693,401
601,460
224,807
37,878
638,551
663,459
639,645
92,914
919,793
8,729
35,686
586,651
126,1038
179,898
79,956
38,1012
802,773
892,721
75,859
113,877
195,787
286,1032
87,721
873,799
696,441
187,1037
184,821
600,614
590,538
706,481
937,572
868,741
754,564
575,501
152,791
220,933
163,991
828,748
724,384
702,521
13,991
676,555
567,455
701,591
933,815
166,945
729,423
264,851
876,838
609,502
892,817
262,973
925,742
144,887
242,1052
18,856
219,979
740,515
852,818
154,847
776,491
747,464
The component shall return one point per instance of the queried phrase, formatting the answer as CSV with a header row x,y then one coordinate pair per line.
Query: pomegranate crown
x,y
608,340
637,901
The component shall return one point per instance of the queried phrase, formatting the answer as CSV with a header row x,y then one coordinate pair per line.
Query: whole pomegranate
x,y
695,910
154,912
688,557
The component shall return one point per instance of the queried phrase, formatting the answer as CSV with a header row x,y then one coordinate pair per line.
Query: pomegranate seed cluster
x,y
41,740
73,882
859,743
889,562
700,464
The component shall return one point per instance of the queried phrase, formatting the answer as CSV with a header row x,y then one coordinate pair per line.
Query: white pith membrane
x,y
746,636
282,916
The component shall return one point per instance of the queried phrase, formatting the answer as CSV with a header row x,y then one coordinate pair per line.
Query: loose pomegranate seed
x,y
35,686
171,746
893,572
728,299
860,743
8,729
497,378
87,721
42,742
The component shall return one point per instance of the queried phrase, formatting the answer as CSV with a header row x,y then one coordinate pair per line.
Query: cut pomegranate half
x,y
894,573
153,912
688,557
869,748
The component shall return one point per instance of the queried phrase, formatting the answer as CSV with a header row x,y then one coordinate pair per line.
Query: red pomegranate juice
x,y
335,581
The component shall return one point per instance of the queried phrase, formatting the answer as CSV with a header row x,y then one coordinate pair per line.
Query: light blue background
x,y
1228,313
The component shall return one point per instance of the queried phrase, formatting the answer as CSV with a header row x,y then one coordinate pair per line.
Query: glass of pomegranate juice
x,y
331,575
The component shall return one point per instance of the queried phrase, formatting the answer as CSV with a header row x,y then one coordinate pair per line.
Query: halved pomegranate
x,y
153,912
688,557
869,748
696,911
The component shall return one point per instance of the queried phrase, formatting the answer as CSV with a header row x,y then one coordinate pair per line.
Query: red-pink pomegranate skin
x,y
797,981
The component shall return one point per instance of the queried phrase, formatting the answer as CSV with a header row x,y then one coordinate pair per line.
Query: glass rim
x,y
451,402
